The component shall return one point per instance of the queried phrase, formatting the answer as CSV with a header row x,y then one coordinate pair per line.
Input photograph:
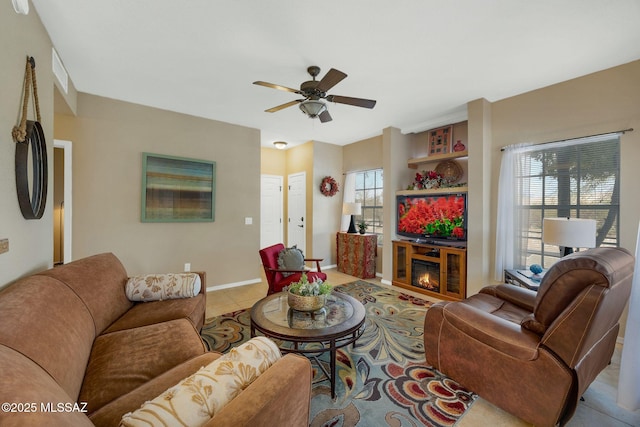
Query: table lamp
x,y
351,208
569,233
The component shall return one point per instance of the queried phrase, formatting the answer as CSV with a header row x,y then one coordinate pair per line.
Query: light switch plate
x,y
4,245
248,220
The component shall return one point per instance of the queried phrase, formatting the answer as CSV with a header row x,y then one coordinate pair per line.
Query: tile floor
x,y
599,408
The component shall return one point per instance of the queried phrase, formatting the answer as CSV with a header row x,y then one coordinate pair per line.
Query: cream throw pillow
x,y
196,399
158,287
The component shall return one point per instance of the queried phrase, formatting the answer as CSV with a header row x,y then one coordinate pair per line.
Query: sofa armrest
x,y
500,334
522,297
280,396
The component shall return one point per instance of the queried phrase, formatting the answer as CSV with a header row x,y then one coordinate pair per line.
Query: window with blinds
x,y
369,195
577,179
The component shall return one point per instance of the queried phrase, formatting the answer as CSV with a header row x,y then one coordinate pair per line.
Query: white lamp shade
x,y
351,208
569,233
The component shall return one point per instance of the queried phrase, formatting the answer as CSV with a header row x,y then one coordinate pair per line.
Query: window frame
x,y
530,232
376,226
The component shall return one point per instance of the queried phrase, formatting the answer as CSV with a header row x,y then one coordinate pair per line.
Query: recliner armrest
x,y
501,334
522,297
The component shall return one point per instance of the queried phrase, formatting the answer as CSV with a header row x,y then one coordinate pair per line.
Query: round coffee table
x,y
339,323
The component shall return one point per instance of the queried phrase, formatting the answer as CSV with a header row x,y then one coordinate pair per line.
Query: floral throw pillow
x,y
159,287
196,399
290,259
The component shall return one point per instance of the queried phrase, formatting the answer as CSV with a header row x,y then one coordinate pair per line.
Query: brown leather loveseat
x,y
534,354
74,351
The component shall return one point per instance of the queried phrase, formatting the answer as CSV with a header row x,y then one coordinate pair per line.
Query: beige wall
x,y
327,211
30,241
598,103
273,162
109,138
396,150
363,155
602,102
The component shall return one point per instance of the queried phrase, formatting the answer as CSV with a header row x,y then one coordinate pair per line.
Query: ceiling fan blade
x,y
274,86
325,116
283,106
358,102
332,78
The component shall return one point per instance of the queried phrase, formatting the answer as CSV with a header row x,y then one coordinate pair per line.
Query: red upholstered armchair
x,y
275,277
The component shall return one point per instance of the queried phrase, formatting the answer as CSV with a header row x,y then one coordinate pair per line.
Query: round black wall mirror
x,y
32,195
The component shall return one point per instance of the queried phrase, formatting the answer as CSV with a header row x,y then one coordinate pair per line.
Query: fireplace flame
x,y
426,282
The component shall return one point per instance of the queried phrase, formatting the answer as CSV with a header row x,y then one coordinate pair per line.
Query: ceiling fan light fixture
x,y
313,107
280,145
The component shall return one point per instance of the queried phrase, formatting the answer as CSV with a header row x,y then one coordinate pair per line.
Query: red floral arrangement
x,y
442,217
426,180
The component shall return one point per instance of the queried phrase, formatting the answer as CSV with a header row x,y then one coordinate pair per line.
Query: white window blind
x,y
579,178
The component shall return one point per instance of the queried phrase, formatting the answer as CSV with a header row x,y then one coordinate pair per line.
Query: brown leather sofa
x,y
534,354
74,351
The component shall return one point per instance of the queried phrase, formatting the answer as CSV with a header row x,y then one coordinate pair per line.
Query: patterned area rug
x,y
383,380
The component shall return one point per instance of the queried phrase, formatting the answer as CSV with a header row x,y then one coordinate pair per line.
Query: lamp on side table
x,y
351,208
569,233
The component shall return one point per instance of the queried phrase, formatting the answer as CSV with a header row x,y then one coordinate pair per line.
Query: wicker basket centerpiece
x,y
307,296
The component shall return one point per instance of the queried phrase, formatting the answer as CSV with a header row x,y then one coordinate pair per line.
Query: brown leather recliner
x,y
534,354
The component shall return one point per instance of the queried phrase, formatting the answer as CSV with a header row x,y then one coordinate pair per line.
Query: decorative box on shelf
x,y
357,254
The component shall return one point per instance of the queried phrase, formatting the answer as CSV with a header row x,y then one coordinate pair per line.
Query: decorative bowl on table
x,y
307,296
306,303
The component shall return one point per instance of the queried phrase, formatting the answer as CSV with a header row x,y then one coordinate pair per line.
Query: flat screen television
x,y
432,217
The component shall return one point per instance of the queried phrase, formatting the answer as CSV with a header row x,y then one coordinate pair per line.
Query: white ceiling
x,y
422,60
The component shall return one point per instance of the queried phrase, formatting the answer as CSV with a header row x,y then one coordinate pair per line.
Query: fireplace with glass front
x,y
437,270
425,275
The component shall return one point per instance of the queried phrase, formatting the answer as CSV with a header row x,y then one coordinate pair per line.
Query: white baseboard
x,y
386,282
233,285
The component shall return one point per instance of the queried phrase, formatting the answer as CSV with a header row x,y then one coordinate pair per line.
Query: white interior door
x,y
271,200
297,209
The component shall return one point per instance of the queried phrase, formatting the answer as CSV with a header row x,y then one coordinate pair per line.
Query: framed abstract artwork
x,y
177,189
440,140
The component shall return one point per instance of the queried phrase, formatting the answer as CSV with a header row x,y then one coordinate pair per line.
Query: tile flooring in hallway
x,y
599,408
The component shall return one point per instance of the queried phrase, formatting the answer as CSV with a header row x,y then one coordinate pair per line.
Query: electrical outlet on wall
x,y
187,266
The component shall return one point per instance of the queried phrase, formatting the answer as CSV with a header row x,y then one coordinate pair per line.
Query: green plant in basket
x,y
305,288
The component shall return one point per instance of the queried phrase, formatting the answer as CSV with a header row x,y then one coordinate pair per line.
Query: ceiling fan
x,y
314,92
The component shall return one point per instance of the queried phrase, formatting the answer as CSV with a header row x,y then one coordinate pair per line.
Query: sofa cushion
x,y
99,281
148,313
44,320
124,360
197,398
159,287
111,414
25,383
